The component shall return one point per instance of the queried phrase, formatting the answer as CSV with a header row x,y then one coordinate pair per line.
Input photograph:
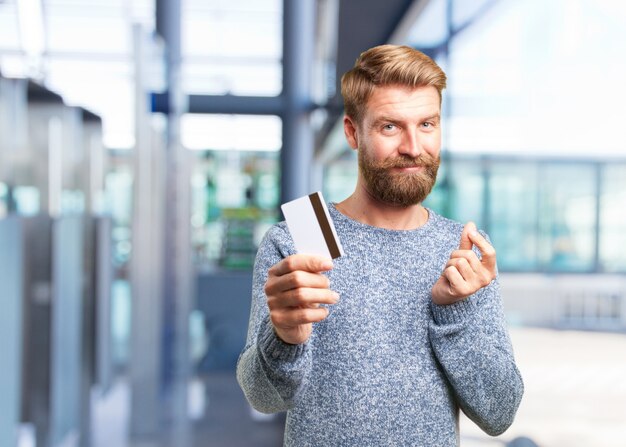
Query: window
x,y
613,219
513,201
232,47
567,217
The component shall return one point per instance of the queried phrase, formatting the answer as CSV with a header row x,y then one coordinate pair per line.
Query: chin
x,y
402,204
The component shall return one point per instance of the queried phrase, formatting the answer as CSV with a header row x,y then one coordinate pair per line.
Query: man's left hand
x,y
464,273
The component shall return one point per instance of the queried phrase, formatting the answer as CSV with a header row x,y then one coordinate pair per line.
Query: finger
x,y
457,283
297,316
304,297
295,280
466,243
488,253
298,279
464,268
307,263
470,256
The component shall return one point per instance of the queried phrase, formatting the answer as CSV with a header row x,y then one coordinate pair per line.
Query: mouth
x,y
408,168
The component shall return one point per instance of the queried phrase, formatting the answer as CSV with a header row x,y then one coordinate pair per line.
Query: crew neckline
x,y
338,216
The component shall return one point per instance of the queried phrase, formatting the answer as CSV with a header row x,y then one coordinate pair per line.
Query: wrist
x,y
446,299
455,312
273,348
291,336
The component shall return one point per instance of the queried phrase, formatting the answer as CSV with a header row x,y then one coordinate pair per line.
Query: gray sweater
x,y
387,367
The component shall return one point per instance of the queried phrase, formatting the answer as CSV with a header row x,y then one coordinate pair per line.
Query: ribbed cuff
x,y
274,349
454,313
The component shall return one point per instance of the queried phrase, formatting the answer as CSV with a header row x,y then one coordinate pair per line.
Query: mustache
x,y
421,160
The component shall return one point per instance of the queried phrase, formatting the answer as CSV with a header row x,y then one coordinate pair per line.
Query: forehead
x,y
403,102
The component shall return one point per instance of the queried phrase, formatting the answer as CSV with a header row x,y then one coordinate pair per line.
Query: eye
x,y
427,125
389,129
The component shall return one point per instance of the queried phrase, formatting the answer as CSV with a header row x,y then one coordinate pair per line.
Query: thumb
x,y
466,243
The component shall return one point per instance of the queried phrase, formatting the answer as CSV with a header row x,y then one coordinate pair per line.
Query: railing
x,y
583,302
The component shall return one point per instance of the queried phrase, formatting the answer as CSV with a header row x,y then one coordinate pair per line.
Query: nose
x,y
410,144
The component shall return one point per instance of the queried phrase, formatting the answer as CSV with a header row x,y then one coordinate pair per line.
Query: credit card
x,y
311,227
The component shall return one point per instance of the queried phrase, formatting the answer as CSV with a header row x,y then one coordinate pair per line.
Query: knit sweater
x,y
387,367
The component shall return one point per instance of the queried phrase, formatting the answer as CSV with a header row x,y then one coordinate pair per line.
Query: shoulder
x,y
445,227
277,238
277,231
449,229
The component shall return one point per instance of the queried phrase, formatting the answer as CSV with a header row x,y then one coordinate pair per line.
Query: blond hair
x,y
387,65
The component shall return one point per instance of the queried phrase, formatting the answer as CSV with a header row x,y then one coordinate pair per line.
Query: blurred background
x,y
145,146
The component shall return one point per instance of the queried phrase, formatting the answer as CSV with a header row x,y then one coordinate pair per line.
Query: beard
x,y
402,189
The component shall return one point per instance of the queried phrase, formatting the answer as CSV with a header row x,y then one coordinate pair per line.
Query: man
x,y
384,345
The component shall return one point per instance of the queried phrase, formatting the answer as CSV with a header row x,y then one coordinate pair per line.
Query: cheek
x,y
433,144
382,147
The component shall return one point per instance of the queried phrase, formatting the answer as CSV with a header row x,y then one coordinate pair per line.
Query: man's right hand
x,y
295,288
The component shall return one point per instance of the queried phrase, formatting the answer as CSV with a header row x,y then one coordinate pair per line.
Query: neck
x,y
364,208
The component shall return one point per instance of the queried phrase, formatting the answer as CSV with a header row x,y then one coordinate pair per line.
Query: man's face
x,y
398,140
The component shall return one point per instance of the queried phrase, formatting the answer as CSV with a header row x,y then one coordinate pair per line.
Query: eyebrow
x,y
383,119
388,119
433,117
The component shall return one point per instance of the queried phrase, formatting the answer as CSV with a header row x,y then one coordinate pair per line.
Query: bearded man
x,y
384,345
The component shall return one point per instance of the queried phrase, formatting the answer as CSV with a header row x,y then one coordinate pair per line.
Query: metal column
x,y
296,155
11,345
177,268
145,361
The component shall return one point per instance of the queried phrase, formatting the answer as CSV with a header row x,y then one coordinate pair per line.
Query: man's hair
x,y
387,65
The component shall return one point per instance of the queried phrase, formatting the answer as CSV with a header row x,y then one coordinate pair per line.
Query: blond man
x,y
384,345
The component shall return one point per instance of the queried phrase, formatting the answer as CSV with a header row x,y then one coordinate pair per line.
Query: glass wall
x,y
567,217
512,213
612,235
234,202
235,184
465,184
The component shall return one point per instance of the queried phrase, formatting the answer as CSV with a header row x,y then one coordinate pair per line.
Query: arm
x,y
469,337
286,293
470,340
271,372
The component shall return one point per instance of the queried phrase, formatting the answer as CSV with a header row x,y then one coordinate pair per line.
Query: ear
x,y
349,129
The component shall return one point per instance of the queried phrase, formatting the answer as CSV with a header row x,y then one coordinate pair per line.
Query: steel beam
x,y
228,104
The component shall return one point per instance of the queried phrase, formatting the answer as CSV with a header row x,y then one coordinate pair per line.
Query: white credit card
x,y
311,227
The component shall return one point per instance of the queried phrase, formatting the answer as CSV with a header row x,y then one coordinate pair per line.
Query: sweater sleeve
x,y
270,372
471,342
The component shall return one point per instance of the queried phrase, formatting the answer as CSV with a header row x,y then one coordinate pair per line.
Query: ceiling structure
x,y
89,42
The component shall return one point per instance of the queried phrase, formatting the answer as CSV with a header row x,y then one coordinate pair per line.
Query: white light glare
x,y
30,16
